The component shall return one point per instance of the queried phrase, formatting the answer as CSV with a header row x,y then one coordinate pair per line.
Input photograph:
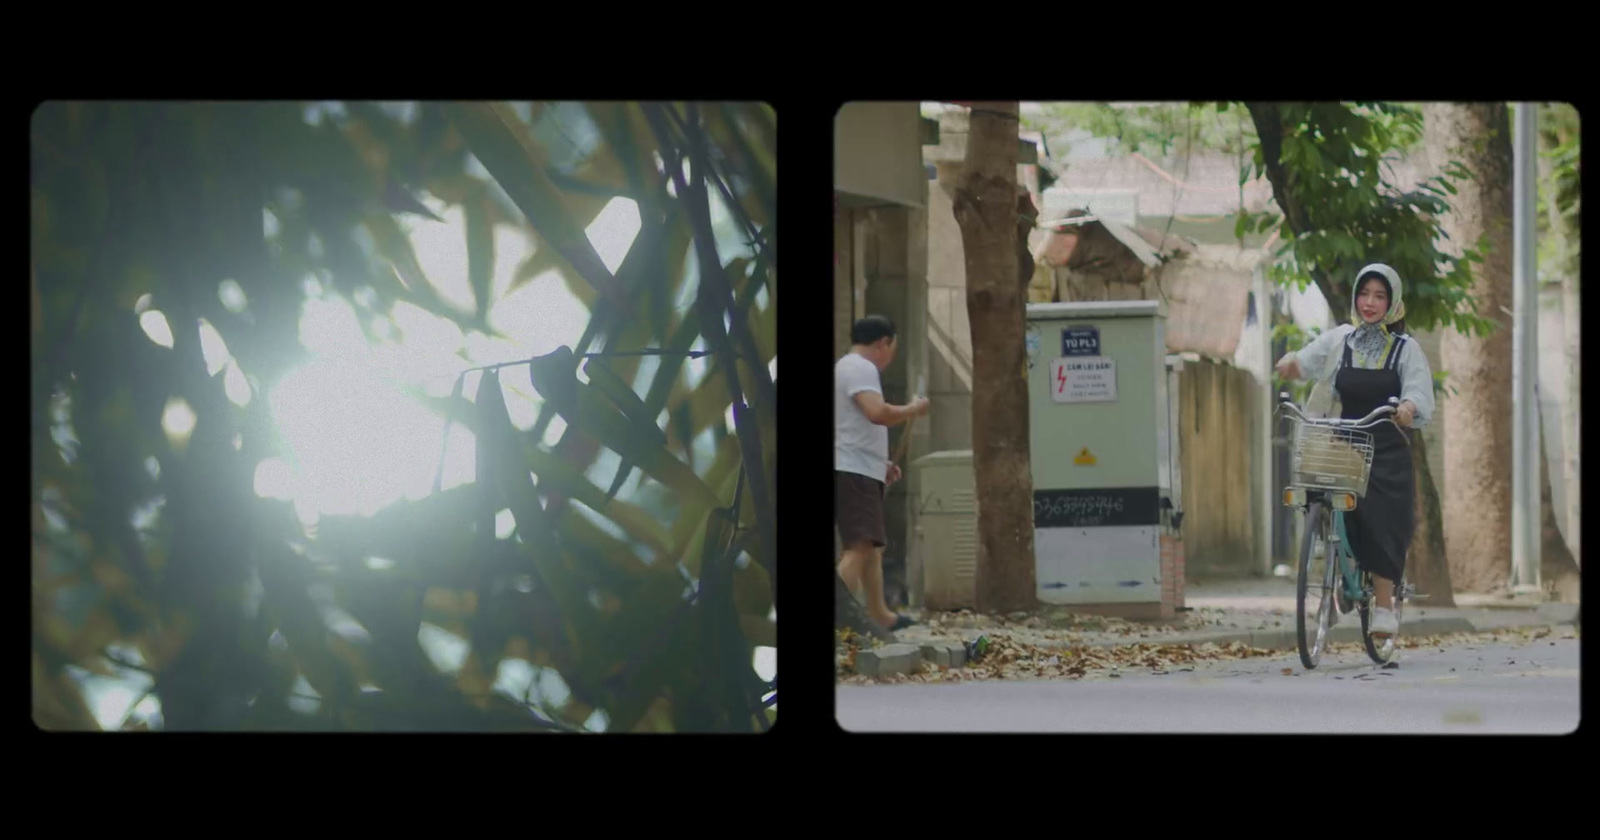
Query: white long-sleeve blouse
x,y
1319,361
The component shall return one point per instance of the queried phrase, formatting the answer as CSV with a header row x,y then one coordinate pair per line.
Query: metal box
x,y
1101,429
947,531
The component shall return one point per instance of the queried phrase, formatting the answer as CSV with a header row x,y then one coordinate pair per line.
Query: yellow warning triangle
x,y
1085,458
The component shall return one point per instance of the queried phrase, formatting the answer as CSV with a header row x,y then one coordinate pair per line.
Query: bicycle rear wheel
x,y
1315,580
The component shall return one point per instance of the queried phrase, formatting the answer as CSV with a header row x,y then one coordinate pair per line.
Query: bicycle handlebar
x,y
1381,414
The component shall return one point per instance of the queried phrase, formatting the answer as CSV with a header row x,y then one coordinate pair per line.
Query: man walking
x,y
862,471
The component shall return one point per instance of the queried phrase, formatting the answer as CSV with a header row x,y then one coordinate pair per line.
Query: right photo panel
x,y
1206,417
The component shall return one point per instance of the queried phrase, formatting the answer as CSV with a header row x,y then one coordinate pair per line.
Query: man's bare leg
x,y
872,583
861,569
852,564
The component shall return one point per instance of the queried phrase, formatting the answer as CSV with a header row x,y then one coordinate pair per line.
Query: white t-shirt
x,y
859,445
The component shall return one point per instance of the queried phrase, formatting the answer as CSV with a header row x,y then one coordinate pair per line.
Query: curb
x,y
1348,631
907,657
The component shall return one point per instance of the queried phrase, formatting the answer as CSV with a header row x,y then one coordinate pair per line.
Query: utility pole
x,y
1524,339
1264,496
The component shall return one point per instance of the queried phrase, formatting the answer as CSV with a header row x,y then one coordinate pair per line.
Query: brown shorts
x,y
858,508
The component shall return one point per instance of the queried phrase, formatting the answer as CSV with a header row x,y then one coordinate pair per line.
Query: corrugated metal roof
x,y
1141,243
1134,242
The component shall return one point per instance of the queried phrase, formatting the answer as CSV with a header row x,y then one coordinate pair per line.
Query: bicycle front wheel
x,y
1314,581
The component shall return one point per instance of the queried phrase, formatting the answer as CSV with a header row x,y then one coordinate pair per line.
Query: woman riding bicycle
x,y
1368,361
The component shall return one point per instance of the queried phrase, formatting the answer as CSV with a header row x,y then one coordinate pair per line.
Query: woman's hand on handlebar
x,y
1288,367
1405,414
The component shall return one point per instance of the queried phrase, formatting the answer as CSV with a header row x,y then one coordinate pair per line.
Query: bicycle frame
x,y
1349,572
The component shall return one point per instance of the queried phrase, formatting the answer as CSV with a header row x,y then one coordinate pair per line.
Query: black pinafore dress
x,y
1380,527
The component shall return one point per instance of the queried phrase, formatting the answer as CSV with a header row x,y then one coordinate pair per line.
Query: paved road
x,y
1493,688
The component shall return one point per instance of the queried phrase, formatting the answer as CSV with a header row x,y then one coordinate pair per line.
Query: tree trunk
x,y
1477,417
985,205
1428,567
1558,568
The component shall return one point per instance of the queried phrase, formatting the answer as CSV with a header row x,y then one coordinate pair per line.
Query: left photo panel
x,y
403,416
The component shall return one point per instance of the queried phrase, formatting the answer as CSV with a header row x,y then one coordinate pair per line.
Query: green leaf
x,y
480,250
555,474
541,548
497,446
504,146
606,380
404,530
672,362
558,476
615,562
395,248
626,132
584,408
654,643
493,447
284,578
763,119
737,689
444,437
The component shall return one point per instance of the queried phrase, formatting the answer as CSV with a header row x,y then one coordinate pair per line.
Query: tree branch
x,y
1268,119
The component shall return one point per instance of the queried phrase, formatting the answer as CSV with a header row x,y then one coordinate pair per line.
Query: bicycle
x,y
1329,468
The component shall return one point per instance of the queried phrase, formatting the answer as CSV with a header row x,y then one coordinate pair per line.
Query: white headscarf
x,y
1371,338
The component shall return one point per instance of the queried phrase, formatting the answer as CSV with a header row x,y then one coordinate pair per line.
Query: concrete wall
x,y
1215,417
878,152
949,330
895,272
1555,375
950,416
843,282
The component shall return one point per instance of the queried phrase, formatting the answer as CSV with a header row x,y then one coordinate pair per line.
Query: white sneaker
x,y
1383,622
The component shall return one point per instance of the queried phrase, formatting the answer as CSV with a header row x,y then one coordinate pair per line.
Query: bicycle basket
x,y
1331,459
